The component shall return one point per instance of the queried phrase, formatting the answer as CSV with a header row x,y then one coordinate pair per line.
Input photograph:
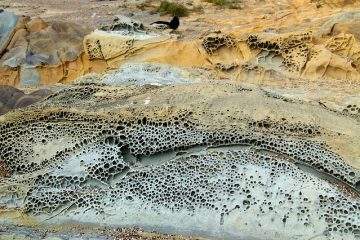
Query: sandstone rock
x,y
16,54
172,156
350,28
10,95
8,22
3,108
106,46
18,39
35,24
32,98
55,45
147,74
341,18
12,98
123,23
41,93
26,101
4,171
58,47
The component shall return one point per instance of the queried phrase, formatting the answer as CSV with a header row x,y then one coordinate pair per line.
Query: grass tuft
x,y
225,4
174,9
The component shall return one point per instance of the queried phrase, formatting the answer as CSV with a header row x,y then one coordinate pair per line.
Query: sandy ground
x,y
252,16
91,13
85,12
94,13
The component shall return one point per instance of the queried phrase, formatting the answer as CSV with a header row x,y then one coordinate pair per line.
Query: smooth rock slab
x,y
8,22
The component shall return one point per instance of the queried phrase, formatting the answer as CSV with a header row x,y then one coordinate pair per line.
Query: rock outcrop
x,y
35,53
325,49
97,153
250,130
300,55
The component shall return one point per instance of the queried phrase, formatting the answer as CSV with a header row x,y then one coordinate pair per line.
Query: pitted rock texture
x,y
291,54
311,41
292,48
110,47
268,56
147,156
214,40
123,23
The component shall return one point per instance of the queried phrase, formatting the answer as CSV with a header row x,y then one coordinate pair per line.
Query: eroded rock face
x,y
12,98
123,23
31,44
7,29
322,47
329,54
293,55
200,159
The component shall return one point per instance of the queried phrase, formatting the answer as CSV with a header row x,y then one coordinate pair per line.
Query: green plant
x,y
225,3
175,9
218,2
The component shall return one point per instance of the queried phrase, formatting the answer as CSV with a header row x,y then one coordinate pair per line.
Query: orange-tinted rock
x,y
55,45
9,76
35,24
352,28
16,50
64,73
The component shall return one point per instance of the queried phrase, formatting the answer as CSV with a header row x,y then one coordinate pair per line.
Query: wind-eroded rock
x,y
208,159
30,44
300,55
324,49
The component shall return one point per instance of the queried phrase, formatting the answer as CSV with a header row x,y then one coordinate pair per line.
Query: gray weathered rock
x,y
123,23
8,22
29,77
